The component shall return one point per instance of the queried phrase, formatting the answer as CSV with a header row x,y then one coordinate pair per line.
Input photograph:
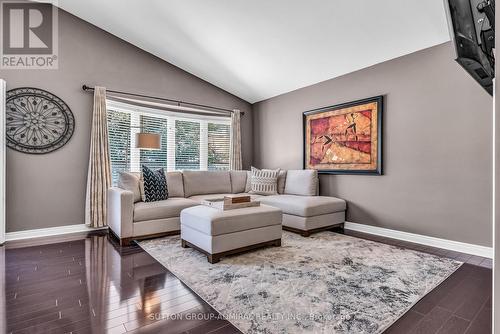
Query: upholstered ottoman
x,y
219,233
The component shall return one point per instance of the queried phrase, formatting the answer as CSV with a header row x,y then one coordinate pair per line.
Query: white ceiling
x,y
257,49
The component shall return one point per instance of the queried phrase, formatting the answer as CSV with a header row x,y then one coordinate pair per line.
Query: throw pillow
x,y
248,185
155,185
265,181
130,182
302,182
281,181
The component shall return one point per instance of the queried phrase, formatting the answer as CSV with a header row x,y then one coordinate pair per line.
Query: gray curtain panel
x,y
235,162
99,174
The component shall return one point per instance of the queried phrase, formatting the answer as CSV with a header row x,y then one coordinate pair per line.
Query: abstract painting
x,y
345,139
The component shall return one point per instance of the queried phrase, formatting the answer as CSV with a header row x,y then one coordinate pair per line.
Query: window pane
x,y
154,158
218,146
119,142
187,145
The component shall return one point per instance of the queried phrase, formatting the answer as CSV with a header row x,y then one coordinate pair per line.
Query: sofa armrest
x,y
121,212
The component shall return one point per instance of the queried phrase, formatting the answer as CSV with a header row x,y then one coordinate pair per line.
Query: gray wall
x,y
49,190
437,145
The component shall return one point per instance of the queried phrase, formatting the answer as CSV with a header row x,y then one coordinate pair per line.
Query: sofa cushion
x,y
199,198
238,181
175,184
248,184
281,181
301,182
205,182
265,181
211,221
305,206
130,181
169,208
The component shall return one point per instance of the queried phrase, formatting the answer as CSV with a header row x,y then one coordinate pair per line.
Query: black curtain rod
x,y
178,102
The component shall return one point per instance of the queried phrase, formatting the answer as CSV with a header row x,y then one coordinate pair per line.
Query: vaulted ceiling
x,y
258,49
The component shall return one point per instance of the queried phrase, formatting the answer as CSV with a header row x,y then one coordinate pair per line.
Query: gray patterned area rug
x,y
327,283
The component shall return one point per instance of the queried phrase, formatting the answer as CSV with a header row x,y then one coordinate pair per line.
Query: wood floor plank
x,y
458,296
405,324
454,325
481,324
208,327
431,323
477,297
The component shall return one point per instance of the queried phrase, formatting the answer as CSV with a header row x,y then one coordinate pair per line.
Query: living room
x,y
248,167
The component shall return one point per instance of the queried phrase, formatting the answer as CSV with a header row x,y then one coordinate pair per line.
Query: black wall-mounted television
x,y
472,28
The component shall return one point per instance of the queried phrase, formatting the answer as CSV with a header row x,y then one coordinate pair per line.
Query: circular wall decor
x,y
37,121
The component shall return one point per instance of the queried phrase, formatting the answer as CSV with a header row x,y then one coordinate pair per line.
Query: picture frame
x,y
345,138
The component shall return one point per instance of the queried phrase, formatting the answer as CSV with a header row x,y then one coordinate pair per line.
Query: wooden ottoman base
x,y
214,258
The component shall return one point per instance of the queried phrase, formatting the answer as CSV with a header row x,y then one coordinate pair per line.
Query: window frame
x,y
136,112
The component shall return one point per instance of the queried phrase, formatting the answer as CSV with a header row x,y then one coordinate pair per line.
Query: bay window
x,y
188,141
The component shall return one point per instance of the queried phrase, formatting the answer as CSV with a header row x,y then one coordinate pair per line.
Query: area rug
x,y
327,283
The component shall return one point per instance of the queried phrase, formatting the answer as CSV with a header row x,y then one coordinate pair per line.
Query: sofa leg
x,y
305,234
184,244
277,243
212,258
125,241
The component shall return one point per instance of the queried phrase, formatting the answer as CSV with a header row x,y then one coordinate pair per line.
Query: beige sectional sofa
x,y
304,212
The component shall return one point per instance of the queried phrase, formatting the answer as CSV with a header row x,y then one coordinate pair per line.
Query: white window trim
x,y
135,159
203,145
128,108
171,141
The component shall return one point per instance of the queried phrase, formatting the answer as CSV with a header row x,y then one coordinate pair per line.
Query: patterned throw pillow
x,y
265,181
155,185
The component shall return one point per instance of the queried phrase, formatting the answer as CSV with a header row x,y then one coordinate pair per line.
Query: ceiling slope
x,y
259,49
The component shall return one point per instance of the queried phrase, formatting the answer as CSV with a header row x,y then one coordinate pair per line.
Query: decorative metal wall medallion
x,y
37,121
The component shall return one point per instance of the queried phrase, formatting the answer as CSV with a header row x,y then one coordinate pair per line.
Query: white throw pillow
x,y
248,185
281,181
265,181
130,181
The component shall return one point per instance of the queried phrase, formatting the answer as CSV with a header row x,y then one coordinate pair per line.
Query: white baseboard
x,y
48,232
405,236
456,246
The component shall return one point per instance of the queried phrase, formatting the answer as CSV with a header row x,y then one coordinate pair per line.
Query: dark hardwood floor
x,y
89,284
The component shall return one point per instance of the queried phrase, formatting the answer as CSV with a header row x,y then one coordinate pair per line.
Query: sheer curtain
x,y
235,152
99,173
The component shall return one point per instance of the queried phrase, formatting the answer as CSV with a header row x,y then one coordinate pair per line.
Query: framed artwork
x,y
345,138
